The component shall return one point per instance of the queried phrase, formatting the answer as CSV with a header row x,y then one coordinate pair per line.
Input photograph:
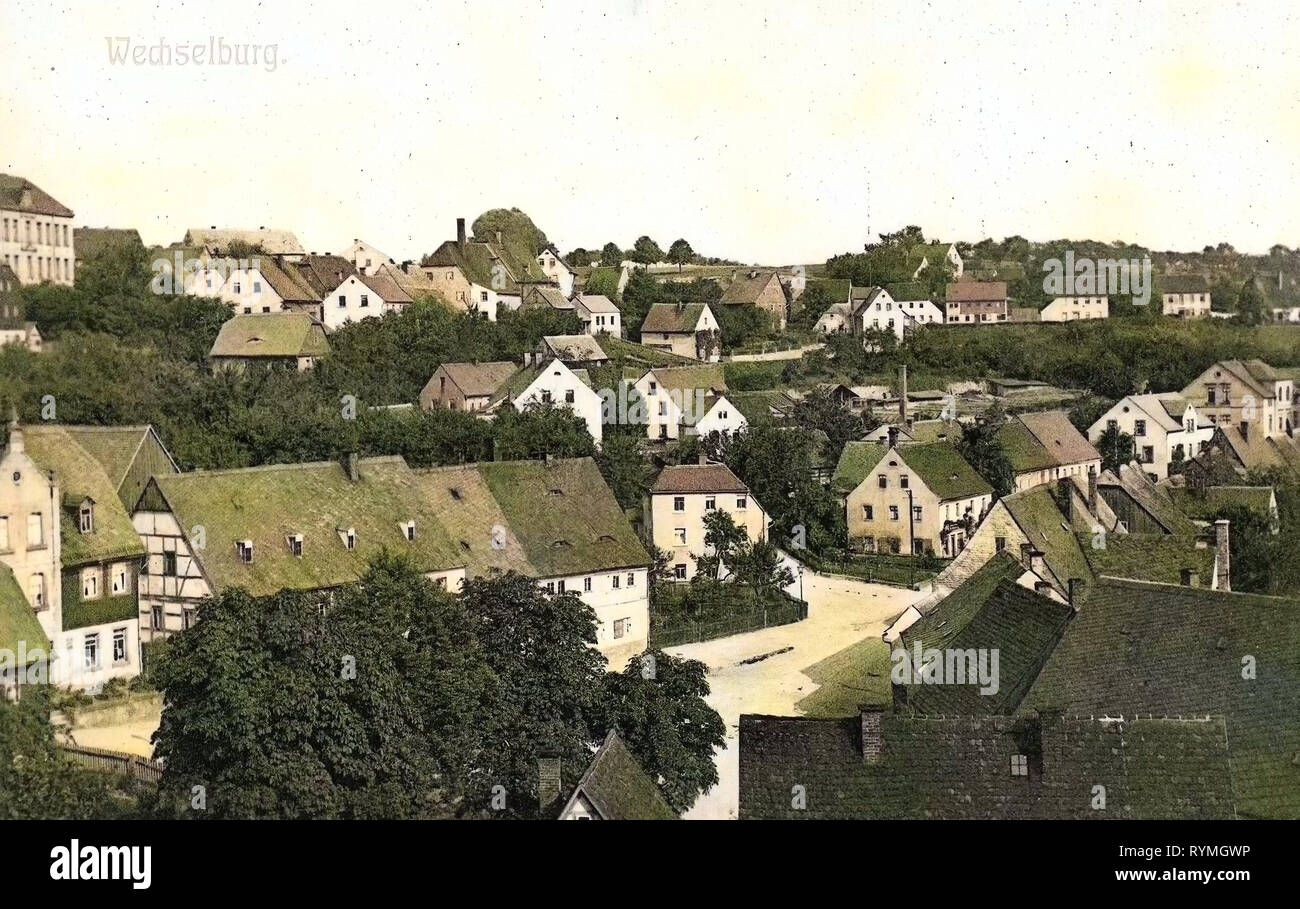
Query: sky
x,y
763,132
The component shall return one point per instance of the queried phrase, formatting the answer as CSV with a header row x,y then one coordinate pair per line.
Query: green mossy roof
x,y
856,462
277,335
114,447
1037,514
80,476
1022,449
1148,557
619,788
18,622
944,471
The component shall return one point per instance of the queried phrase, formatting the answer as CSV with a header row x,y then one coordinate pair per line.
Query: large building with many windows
x,y
36,233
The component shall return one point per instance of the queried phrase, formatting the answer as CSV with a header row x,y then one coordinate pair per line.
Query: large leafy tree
x,y
539,430
1116,448
979,445
646,251
680,253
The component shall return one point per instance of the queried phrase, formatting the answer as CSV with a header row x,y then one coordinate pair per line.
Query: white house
x,y
1184,296
1073,309
36,233
688,330
677,398
362,297
599,315
365,258
682,496
555,383
934,253
1165,429
555,268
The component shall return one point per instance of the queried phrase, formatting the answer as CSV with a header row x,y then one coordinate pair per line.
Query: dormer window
x,y
408,531
245,549
86,516
349,538
295,544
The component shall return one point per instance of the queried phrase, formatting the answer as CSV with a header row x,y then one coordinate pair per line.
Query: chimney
x,y
460,233
1042,588
902,397
1189,578
704,459
350,465
1036,564
873,733
1066,487
893,436
1026,550
549,786
1222,557
1092,491
498,238
1073,588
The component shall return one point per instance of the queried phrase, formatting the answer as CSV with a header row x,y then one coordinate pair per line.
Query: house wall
x,y
681,343
1071,309
1186,306
245,289
1272,415
881,530
559,381
1159,440
437,393
1134,517
38,247
722,417
666,520
1078,472
168,601
34,561
351,301
979,311
622,612
553,267
455,288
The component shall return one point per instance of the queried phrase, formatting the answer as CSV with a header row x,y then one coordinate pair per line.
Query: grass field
x,y
849,678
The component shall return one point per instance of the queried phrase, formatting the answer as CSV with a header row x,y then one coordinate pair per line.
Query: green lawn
x,y
856,675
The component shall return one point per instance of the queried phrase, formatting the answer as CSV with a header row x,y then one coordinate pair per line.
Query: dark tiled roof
x,y
39,202
1064,443
1182,284
669,317
1167,650
976,291
689,478
323,273
480,380
619,788
960,767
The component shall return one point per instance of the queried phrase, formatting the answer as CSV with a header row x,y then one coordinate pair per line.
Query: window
x,y
236,287
1019,765
4,533
350,539
90,583
410,531
257,287
365,300
882,481
86,516
36,591
679,536
169,564
35,531
550,587
999,543
1148,454
156,618
679,503
121,580
631,579
188,615
868,513
1209,394
343,300
902,481
616,582
295,545
679,571
92,651
1139,427
742,502
546,397
245,548
620,627
119,646
710,503
569,396
893,512
560,586
586,585
916,512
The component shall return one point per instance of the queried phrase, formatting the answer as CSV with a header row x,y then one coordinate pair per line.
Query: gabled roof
x,y
1152,499
1159,557
673,318
1168,650
748,285
18,622
976,291
1256,375
1183,284
267,505
1063,443
771,403
960,767
1036,514
287,281
560,517
273,242
322,274
388,289
707,376
618,788
20,194
696,478
92,241
546,295
1022,448
908,291
479,380
857,461
117,447
81,476
944,470
595,303
574,348
990,611
413,279
1166,409
276,335
1207,503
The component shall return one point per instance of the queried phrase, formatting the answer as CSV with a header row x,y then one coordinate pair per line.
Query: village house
x,y
909,498
615,787
545,295
575,350
1075,308
685,329
1248,395
227,241
1165,427
599,315
360,297
687,400
557,270
935,254
1044,447
366,259
37,239
682,496
470,387
761,288
873,310
552,383
481,276
975,302
284,340
1184,296
555,521
914,300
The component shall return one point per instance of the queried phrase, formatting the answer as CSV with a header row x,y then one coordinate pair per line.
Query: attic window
x,y
245,548
408,531
561,544
605,538
1019,765
464,545
557,492
455,493
295,544
349,538
86,516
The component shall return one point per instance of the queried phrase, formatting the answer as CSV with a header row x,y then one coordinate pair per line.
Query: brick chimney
x,y
1188,577
902,397
873,733
460,233
1036,563
350,465
1066,487
893,436
549,784
1222,557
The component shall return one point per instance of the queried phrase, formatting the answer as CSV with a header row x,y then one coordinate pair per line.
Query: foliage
x,y
1116,448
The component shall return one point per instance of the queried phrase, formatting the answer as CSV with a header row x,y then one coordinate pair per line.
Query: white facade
x,y
351,301
1072,309
245,289
598,315
621,601
1156,433
555,269
722,417
677,524
365,258
559,385
37,247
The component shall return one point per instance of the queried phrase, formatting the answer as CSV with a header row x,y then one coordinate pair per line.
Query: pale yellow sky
x,y
773,132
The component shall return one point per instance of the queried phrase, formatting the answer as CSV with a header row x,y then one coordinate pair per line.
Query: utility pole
x,y
911,528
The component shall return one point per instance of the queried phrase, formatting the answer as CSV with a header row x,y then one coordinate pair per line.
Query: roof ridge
x,y
227,471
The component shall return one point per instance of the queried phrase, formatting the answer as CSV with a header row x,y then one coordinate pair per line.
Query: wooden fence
x,y
140,769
